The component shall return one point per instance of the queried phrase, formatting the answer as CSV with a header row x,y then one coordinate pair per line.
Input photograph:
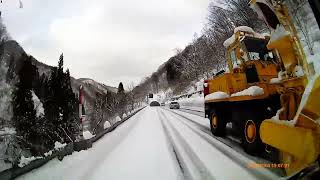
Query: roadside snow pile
x,y
7,131
118,119
87,135
124,115
278,33
37,105
251,91
48,153
58,145
216,95
106,125
25,161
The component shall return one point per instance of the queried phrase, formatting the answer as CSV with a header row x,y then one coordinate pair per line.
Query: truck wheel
x,y
218,126
251,140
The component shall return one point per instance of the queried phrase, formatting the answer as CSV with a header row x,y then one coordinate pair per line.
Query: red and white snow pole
x,y
81,110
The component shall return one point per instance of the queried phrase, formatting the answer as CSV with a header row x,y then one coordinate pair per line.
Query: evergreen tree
x,y
120,88
121,96
70,109
62,105
24,117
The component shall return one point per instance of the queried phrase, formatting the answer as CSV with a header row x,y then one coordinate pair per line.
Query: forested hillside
x,y
205,55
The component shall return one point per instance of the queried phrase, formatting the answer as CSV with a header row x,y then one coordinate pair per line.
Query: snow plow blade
x,y
300,142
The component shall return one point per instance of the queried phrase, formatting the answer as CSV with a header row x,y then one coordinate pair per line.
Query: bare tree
x,y
131,96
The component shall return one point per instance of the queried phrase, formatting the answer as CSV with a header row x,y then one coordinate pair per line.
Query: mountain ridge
x,y
12,53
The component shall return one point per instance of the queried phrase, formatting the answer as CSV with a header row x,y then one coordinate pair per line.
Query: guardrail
x,y
15,172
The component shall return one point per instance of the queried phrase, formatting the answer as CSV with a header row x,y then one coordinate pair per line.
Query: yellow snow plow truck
x,y
271,88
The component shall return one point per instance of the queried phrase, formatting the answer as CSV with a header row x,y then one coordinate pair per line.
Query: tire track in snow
x,y
173,148
230,141
205,129
234,156
194,112
198,166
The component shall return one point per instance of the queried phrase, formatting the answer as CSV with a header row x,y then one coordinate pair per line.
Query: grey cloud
x,y
109,41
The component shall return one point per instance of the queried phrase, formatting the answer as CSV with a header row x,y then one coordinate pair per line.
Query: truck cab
x,y
245,94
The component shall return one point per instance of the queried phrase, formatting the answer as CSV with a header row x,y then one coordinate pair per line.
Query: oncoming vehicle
x,y
174,105
163,104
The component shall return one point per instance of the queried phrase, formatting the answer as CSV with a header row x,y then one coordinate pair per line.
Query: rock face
x,y
10,54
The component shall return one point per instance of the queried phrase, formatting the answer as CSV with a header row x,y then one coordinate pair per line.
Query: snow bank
x,y
124,115
38,106
87,135
58,145
7,131
25,161
216,95
118,119
48,153
106,125
251,91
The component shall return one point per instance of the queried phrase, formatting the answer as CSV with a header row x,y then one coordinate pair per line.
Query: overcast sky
x,y
109,41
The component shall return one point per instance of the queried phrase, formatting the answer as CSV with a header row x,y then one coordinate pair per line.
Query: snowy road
x,y
154,144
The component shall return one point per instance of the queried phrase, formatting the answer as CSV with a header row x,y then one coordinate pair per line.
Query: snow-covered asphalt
x,y
156,143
